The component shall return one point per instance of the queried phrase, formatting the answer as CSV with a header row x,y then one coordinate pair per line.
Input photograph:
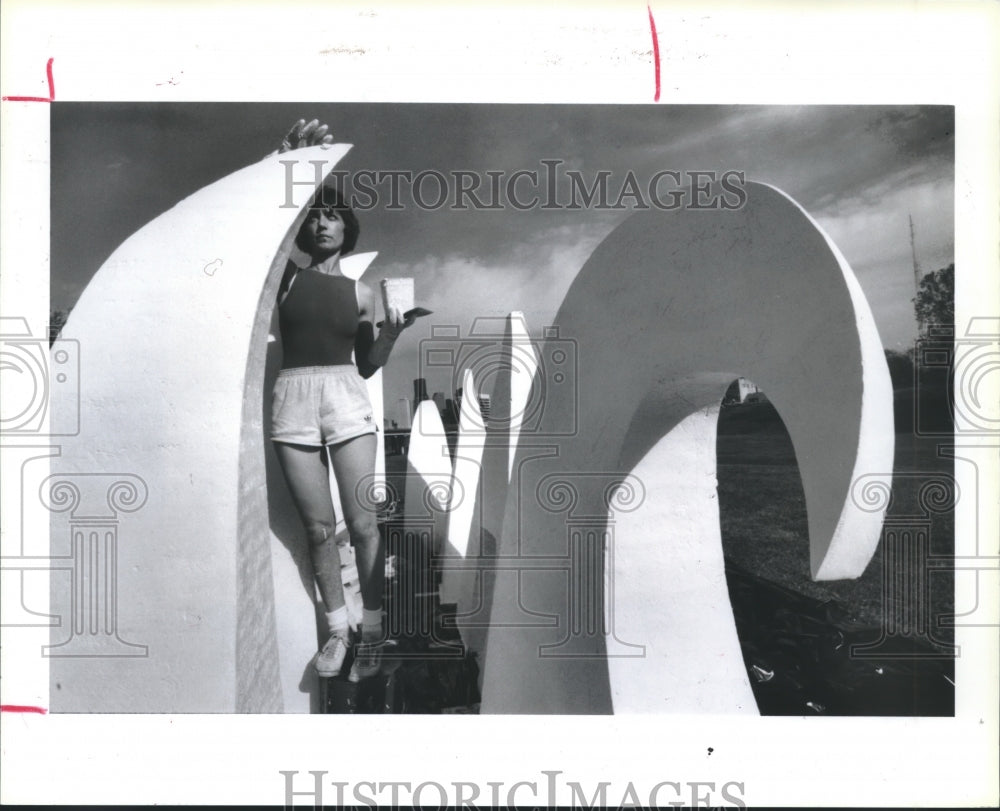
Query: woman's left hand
x,y
302,135
395,322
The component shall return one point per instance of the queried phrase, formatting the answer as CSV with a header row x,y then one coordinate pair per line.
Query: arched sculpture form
x,y
667,311
173,333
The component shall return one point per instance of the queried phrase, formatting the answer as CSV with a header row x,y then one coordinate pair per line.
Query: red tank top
x,y
319,320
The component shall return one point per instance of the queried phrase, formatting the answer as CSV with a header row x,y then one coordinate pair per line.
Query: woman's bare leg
x,y
353,466
306,472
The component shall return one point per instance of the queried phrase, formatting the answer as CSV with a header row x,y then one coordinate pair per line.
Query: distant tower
x,y
484,406
916,276
419,391
438,399
405,418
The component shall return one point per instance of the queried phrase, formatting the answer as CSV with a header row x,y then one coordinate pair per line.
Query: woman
x,y
321,414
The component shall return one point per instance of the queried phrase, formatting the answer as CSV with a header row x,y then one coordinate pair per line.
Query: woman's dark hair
x,y
330,197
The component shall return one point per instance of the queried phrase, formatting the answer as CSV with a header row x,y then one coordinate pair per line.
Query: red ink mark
x,y
52,89
20,708
656,52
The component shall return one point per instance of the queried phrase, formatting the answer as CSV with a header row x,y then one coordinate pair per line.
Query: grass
x,y
763,516
799,637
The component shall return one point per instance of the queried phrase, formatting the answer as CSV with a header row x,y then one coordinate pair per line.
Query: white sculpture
x,y
668,310
173,340
602,575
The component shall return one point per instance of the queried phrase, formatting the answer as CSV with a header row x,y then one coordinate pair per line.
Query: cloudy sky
x,y
860,171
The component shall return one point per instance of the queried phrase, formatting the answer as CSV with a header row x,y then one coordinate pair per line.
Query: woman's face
x,y
324,231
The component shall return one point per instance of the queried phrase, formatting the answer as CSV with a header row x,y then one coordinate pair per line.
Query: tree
x,y
935,301
935,310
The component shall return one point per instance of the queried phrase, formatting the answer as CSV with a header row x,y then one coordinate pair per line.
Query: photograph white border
x,y
830,53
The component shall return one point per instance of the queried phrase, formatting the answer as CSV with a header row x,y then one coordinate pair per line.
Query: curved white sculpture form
x,y
667,311
458,582
173,335
428,486
493,446
666,586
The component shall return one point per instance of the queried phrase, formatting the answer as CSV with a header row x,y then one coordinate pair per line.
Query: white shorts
x,y
320,405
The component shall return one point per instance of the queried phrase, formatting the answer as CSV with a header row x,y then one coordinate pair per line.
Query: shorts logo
x,y
368,418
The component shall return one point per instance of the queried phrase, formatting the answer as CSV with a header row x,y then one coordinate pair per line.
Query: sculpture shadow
x,y
283,518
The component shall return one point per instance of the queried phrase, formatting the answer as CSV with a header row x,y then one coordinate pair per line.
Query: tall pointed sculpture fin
x,y
354,265
515,370
511,363
512,389
458,581
428,476
468,458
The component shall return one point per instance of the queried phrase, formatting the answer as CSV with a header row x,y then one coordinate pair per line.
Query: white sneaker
x,y
330,659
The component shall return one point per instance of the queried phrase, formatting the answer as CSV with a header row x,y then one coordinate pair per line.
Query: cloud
x,y
873,232
531,277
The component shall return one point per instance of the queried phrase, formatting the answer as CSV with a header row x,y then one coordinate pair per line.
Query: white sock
x,y
371,620
336,621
